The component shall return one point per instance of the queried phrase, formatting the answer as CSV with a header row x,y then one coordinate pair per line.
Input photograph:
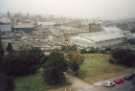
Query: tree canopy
x,y
54,68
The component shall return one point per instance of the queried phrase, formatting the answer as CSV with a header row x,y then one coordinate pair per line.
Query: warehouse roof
x,y
89,39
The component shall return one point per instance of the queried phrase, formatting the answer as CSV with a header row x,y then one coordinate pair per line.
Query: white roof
x,y
81,39
90,39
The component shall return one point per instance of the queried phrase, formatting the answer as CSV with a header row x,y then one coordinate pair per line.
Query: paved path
x,y
79,85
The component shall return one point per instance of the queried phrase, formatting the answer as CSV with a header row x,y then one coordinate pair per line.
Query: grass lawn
x,y
96,68
62,88
30,83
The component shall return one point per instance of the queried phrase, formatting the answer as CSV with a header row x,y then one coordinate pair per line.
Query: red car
x,y
119,81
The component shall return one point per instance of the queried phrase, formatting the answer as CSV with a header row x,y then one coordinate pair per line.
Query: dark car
x,y
129,77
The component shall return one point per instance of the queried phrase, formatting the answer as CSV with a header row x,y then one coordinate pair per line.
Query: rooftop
x,y
5,20
107,34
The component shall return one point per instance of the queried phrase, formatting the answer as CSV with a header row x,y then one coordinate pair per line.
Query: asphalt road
x,y
127,86
80,85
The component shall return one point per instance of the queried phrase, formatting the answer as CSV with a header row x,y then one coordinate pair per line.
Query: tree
x,y
54,68
22,62
1,48
123,56
75,68
76,57
75,60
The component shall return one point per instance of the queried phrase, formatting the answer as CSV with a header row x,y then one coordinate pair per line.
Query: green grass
x,y
30,83
96,67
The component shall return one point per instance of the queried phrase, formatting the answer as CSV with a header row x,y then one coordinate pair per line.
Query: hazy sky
x,y
106,9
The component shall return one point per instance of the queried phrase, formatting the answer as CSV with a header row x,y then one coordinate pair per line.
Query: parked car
x,y
129,77
109,84
119,81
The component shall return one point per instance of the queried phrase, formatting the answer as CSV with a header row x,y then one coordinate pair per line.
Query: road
x,y
80,85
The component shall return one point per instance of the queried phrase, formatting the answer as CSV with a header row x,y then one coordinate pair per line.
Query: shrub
x,y
9,48
69,48
95,50
83,51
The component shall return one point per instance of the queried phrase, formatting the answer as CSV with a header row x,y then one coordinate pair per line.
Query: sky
x,y
105,9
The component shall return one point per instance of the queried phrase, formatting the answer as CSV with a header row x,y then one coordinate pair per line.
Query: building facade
x,y
5,25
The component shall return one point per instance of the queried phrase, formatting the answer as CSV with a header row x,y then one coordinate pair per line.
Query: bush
x,y
96,50
22,62
54,68
83,51
6,83
9,48
69,48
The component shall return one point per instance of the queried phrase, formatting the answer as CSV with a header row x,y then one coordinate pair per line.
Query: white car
x,y
109,84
